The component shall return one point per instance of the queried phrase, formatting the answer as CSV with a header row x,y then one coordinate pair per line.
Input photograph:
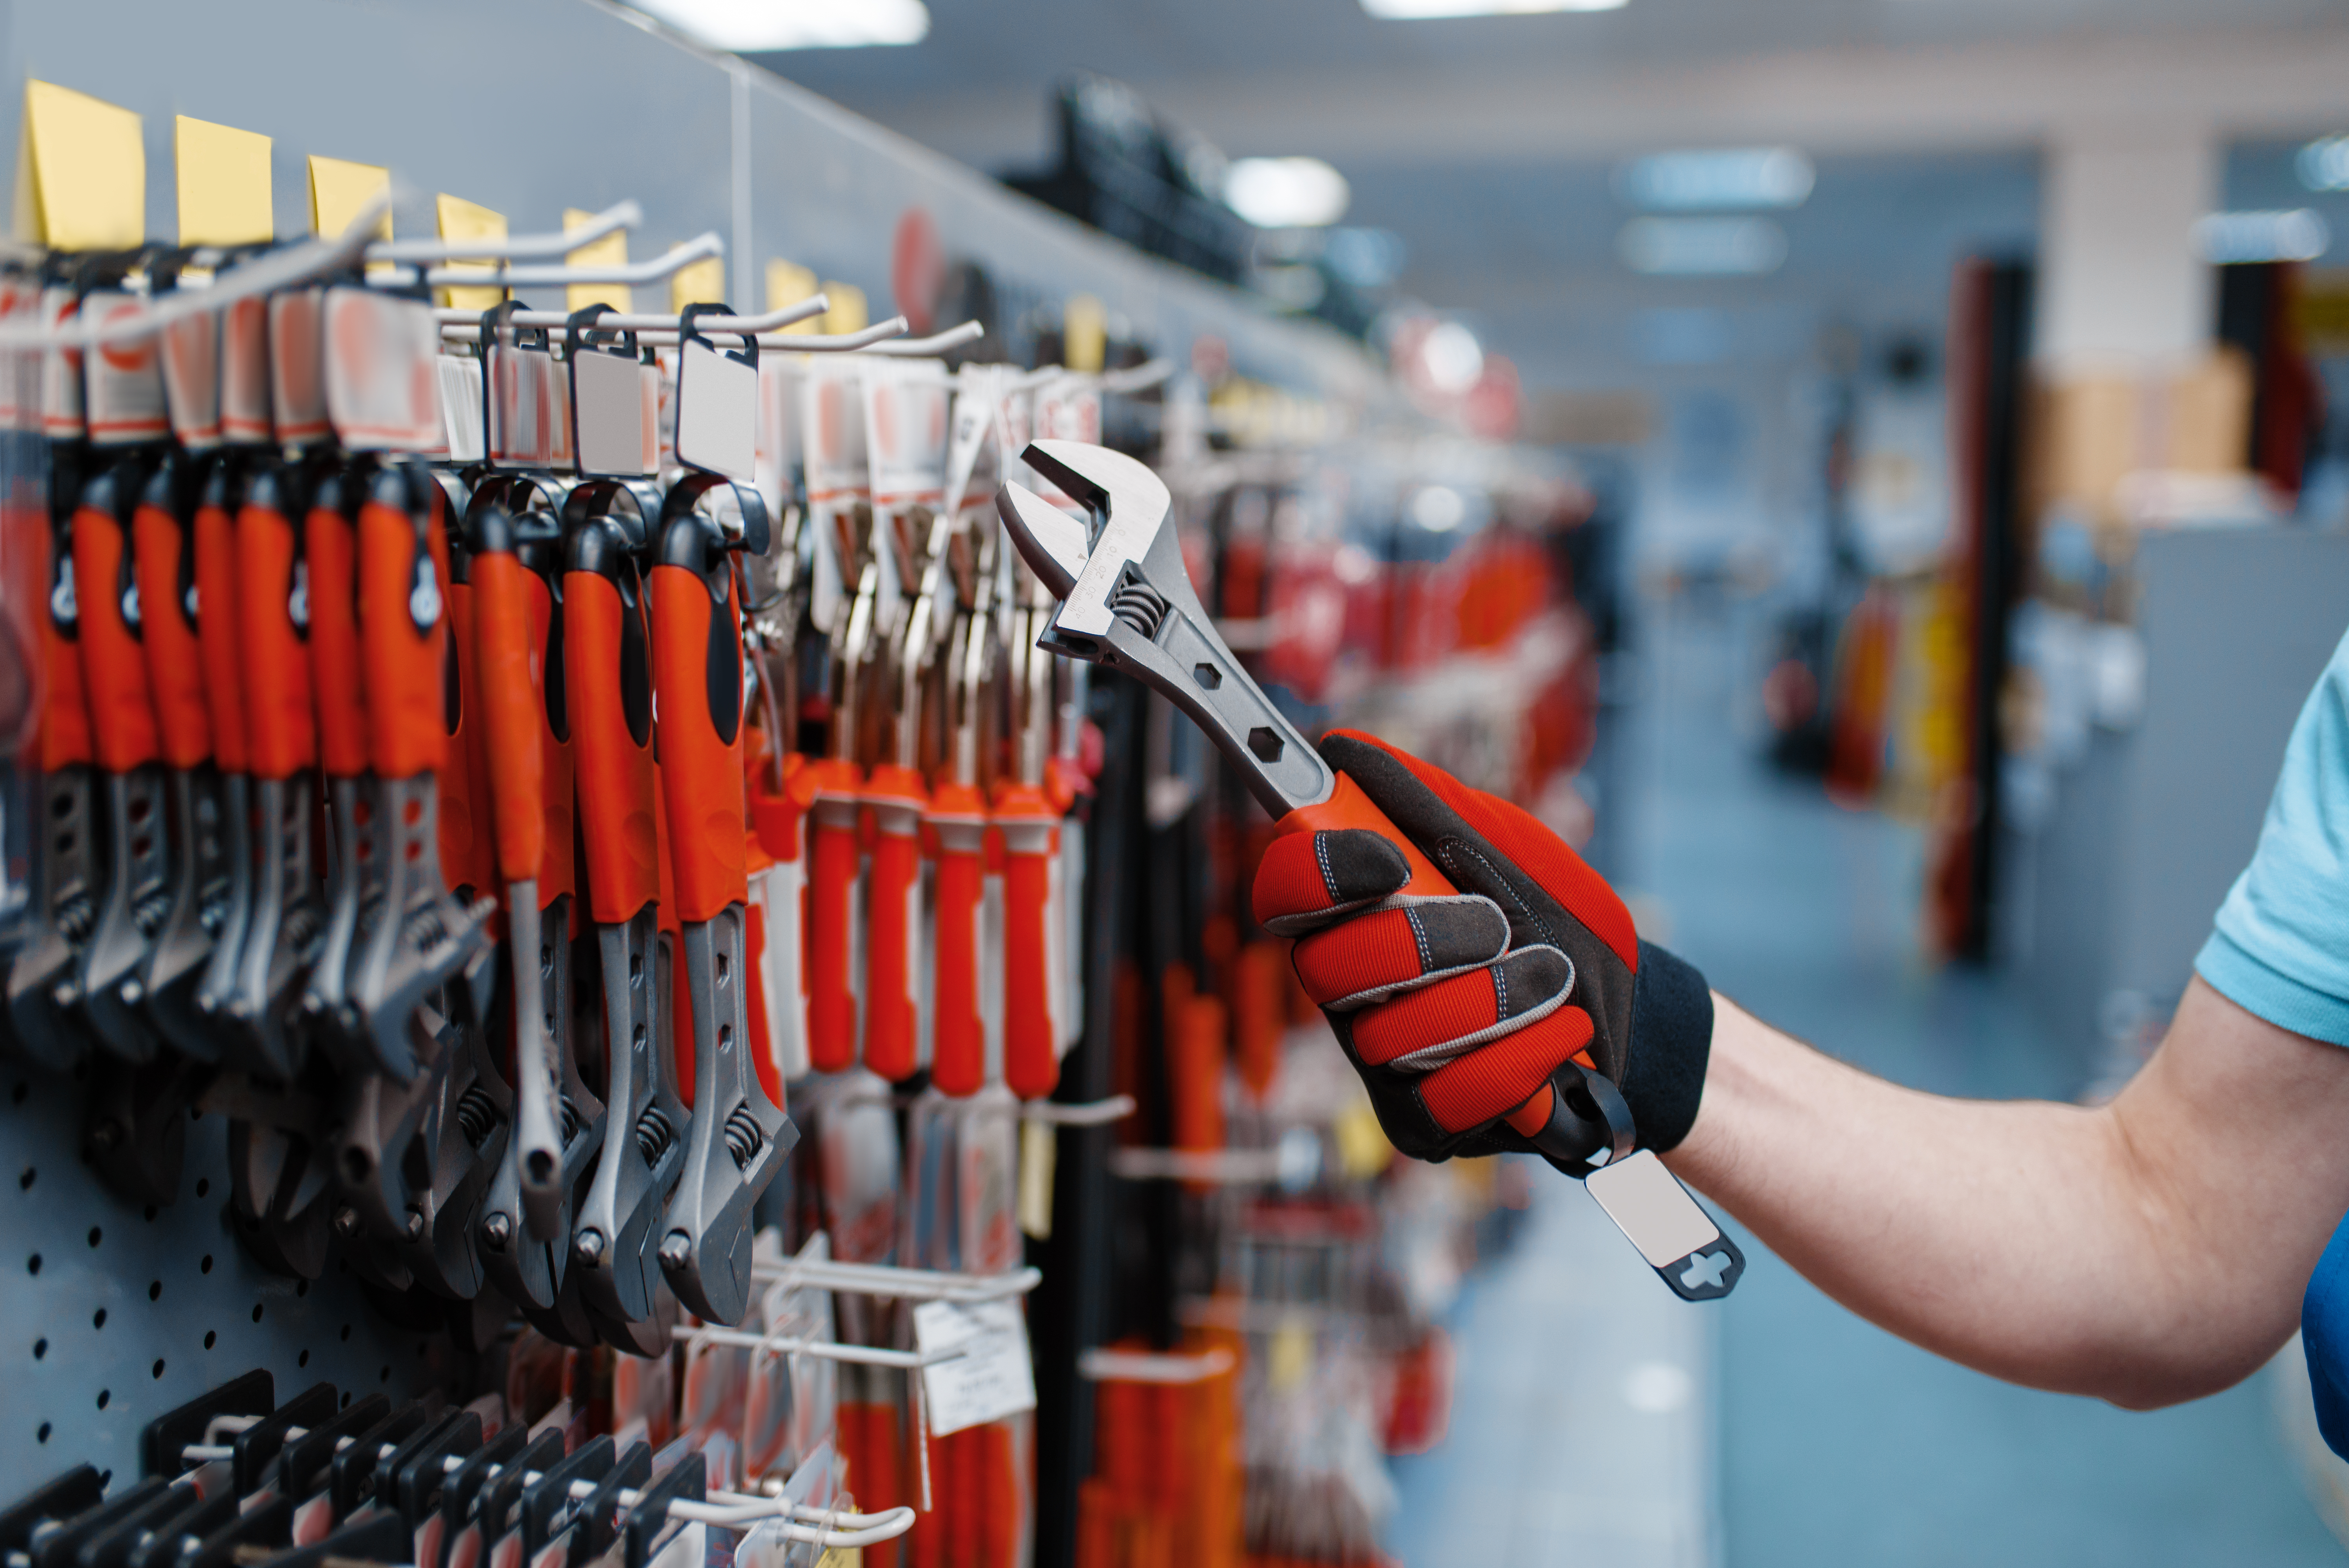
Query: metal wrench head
x,y
415,936
179,959
44,977
616,1236
738,1139
136,895
1128,600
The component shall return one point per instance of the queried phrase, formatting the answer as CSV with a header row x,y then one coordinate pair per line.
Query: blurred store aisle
x,y
1836,1443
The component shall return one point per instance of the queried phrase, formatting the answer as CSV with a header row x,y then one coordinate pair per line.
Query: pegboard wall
x,y
111,1314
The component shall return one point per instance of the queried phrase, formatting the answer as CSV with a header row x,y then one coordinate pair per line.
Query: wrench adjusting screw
x,y
675,1249
498,1230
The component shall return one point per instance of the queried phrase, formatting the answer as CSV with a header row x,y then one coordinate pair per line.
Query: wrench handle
x,y
832,887
162,558
273,607
337,685
217,626
1031,1066
891,923
403,631
697,707
511,704
607,670
1348,807
114,665
958,1047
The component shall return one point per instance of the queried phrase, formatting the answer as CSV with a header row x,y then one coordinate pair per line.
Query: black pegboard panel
x,y
111,1314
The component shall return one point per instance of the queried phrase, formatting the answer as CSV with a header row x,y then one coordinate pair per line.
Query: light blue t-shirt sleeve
x,y
2281,944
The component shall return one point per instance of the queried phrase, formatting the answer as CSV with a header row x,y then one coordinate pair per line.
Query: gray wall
x,y
530,106
2156,824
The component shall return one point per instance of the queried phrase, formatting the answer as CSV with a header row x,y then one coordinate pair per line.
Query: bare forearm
x,y
2093,1251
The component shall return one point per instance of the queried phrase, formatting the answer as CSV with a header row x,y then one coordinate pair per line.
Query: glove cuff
x,y
1671,1036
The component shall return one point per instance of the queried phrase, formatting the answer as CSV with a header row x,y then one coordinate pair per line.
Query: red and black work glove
x,y
1524,1013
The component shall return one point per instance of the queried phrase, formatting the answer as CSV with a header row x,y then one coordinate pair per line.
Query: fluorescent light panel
x,y
1286,192
758,26
2325,164
2296,234
1702,247
1718,179
1428,10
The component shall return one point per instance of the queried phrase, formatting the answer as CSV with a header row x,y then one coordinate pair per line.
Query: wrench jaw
x,y
279,1199
134,1128
180,958
738,1139
284,934
1131,605
415,936
137,896
616,1243
523,1237
44,978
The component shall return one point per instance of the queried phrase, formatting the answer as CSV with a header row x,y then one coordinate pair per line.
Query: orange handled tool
x,y
219,648
892,920
738,1137
330,550
832,860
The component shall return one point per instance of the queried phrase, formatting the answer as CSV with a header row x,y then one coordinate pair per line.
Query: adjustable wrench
x,y
1029,822
738,1137
1127,601
219,648
557,1123
287,920
330,553
415,936
607,658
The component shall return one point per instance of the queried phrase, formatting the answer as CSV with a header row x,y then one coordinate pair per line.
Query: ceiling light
x,y
2295,235
1439,509
757,27
1453,357
1702,247
1728,176
1424,10
1286,192
2325,164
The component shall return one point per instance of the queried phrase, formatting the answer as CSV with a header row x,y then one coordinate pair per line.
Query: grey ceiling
x,y
1518,238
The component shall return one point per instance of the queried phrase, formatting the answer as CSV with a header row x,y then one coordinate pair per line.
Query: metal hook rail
x,y
726,1509
515,248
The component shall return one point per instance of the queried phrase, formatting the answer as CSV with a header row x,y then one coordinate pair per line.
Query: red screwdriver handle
x,y
832,856
893,922
958,1032
1031,1063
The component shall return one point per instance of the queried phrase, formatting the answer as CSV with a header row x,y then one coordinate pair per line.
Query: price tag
x,y
61,419
1672,1230
991,1380
297,389
610,413
244,374
191,380
716,402
461,407
382,381
123,378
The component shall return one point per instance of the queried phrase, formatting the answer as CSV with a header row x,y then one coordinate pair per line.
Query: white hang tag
x,y
461,407
778,445
383,388
554,398
191,380
717,410
516,394
993,1378
1668,1227
974,419
831,436
297,393
608,411
61,416
20,305
1068,408
245,416
122,379
906,433
656,399
1016,417
986,1156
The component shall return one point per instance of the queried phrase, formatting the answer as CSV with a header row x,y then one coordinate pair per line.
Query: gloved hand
x,y
1460,1013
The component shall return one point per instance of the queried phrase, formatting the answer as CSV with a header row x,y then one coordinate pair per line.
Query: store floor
x,y
1809,1438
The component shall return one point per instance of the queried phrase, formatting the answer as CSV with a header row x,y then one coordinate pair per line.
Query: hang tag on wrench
x,y
1672,1230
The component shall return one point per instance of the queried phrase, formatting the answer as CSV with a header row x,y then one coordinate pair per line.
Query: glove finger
x,y
1308,880
1422,1030
1368,958
1494,1080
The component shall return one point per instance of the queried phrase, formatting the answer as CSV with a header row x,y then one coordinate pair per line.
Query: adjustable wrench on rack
x,y
616,1230
739,1138
558,1124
